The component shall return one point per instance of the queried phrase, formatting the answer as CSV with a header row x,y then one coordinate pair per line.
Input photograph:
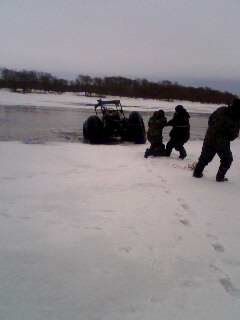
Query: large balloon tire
x,y
137,132
93,130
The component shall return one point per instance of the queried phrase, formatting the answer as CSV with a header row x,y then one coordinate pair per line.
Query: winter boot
x,y
197,174
198,171
146,154
182,156
159,151
167,152
220,177
182,152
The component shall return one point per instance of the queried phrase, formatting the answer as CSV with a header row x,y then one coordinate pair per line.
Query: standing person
x,y
154,134
180,132
223,127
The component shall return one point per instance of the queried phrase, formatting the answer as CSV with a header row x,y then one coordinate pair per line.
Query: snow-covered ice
x,y
99,232
71,100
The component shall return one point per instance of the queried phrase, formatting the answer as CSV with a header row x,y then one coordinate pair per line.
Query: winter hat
x,y
179,108
160,113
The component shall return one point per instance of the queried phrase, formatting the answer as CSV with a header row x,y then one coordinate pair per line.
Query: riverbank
x,y
76,101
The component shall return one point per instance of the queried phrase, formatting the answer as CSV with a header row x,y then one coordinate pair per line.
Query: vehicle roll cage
x,y
104,105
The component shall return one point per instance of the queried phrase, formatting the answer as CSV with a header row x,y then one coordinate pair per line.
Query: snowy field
x,y
71,100
100,233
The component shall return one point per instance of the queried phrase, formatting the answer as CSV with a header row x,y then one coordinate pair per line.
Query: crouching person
x,y
180,132
223,127
154,134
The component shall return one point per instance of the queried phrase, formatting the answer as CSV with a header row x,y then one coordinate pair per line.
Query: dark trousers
x,y
208,153
156,149
173,144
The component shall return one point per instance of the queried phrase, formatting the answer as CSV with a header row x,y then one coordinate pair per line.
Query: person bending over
x,y
154,134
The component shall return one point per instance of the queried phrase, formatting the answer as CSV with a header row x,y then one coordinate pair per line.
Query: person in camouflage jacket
x,y
154,134
223,127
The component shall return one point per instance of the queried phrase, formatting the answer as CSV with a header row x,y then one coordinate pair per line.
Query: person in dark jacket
x,y
180,132
154,134
223,127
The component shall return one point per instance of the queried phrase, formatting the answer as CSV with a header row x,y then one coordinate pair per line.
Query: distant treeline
x,y
116,86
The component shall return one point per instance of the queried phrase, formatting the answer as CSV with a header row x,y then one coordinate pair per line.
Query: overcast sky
x,y
190,41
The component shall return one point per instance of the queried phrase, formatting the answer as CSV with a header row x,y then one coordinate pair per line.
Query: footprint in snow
x,y
125,249
229,287
215,268
162,179
218,247
226,282
185,222
184,205
5,215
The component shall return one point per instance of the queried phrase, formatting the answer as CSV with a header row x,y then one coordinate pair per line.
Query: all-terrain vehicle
x,y
110,122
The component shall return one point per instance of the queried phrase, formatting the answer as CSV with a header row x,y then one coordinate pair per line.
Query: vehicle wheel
x,y
93,130
136,128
